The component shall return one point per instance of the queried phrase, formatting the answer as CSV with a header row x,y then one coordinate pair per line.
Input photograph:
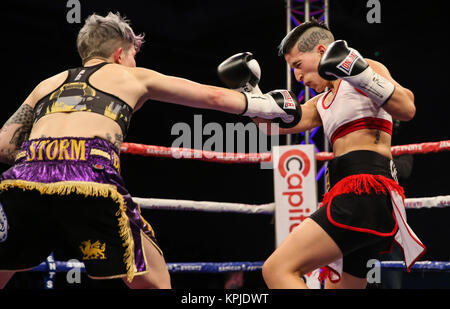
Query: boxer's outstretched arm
x,y
310,120
15,131
182,91
279,105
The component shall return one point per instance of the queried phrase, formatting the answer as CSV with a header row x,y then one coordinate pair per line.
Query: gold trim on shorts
x,y
88,189
137,273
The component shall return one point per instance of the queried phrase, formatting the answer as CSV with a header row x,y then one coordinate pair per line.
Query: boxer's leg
x,y
306,248
157,276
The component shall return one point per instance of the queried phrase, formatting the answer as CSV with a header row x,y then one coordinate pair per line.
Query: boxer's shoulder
x,y
377,66
46,86
123,75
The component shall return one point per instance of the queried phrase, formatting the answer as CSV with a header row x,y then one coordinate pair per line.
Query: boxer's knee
x,y
153,280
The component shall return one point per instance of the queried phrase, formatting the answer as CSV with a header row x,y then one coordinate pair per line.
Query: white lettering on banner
x,y
410,148
444,144
295,192
292,165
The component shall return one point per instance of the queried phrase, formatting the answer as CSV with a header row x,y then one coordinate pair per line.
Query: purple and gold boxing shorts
x,y
67,192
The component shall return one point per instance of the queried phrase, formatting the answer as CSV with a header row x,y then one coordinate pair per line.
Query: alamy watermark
x,y
220,141
74,273
374,14
74,14
374,274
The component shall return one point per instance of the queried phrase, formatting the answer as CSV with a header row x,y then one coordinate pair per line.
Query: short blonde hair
x,y
101,36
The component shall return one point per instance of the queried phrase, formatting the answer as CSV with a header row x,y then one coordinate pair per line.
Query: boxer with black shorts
x,y
363,212
65,188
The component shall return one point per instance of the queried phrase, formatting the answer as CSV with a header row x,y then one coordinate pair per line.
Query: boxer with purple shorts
x,y
64,187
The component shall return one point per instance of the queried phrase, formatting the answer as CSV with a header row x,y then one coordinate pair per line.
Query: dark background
x,y
189,39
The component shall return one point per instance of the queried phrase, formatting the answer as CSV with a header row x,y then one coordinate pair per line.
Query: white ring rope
x,y
428,202
204,206
169,204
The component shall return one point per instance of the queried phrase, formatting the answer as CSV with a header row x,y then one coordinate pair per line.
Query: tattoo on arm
x,y
24,115
8,155
19,136
24,118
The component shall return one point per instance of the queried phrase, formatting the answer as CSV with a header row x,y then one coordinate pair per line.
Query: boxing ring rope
x,y
269,208
200,267
51,266
226,157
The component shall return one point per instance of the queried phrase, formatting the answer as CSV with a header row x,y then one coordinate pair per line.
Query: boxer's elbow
x,y
411,113
401,106
410,107
405,113
225,100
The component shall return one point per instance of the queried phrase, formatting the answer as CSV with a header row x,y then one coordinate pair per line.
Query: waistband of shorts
x,y
67,149
358,162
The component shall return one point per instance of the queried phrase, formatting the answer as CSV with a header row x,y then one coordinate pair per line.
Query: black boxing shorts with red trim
x,y
357,212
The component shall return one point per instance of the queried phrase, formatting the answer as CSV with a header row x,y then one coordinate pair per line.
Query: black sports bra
x,y
77,94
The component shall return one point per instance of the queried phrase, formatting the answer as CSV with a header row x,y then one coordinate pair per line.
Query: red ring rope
x,y
226,157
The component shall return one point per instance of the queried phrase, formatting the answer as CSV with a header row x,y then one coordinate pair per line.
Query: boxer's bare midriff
x,y
78,124
365,139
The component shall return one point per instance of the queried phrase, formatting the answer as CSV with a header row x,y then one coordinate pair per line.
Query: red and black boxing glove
x,y
340,61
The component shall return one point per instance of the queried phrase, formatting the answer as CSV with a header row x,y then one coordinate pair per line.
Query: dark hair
x,y
324,35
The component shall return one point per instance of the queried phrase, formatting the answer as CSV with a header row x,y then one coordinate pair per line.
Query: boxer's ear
x,y
321,48
117,55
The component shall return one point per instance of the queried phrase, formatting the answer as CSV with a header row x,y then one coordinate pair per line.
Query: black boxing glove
x,y
340,61
281,106
240,72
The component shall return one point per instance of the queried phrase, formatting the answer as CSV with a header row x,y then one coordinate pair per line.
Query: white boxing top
x,y
350,110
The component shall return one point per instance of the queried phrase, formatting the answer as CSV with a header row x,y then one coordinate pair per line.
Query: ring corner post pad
x,y
295,192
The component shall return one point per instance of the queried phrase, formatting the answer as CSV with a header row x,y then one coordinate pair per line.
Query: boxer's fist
x,y
240,72
340,61
281,106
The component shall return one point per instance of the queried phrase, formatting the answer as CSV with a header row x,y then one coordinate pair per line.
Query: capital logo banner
x,y
294,170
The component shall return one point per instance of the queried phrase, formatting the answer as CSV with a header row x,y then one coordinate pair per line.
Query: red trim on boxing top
x,y
360,124
325,96
361,92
